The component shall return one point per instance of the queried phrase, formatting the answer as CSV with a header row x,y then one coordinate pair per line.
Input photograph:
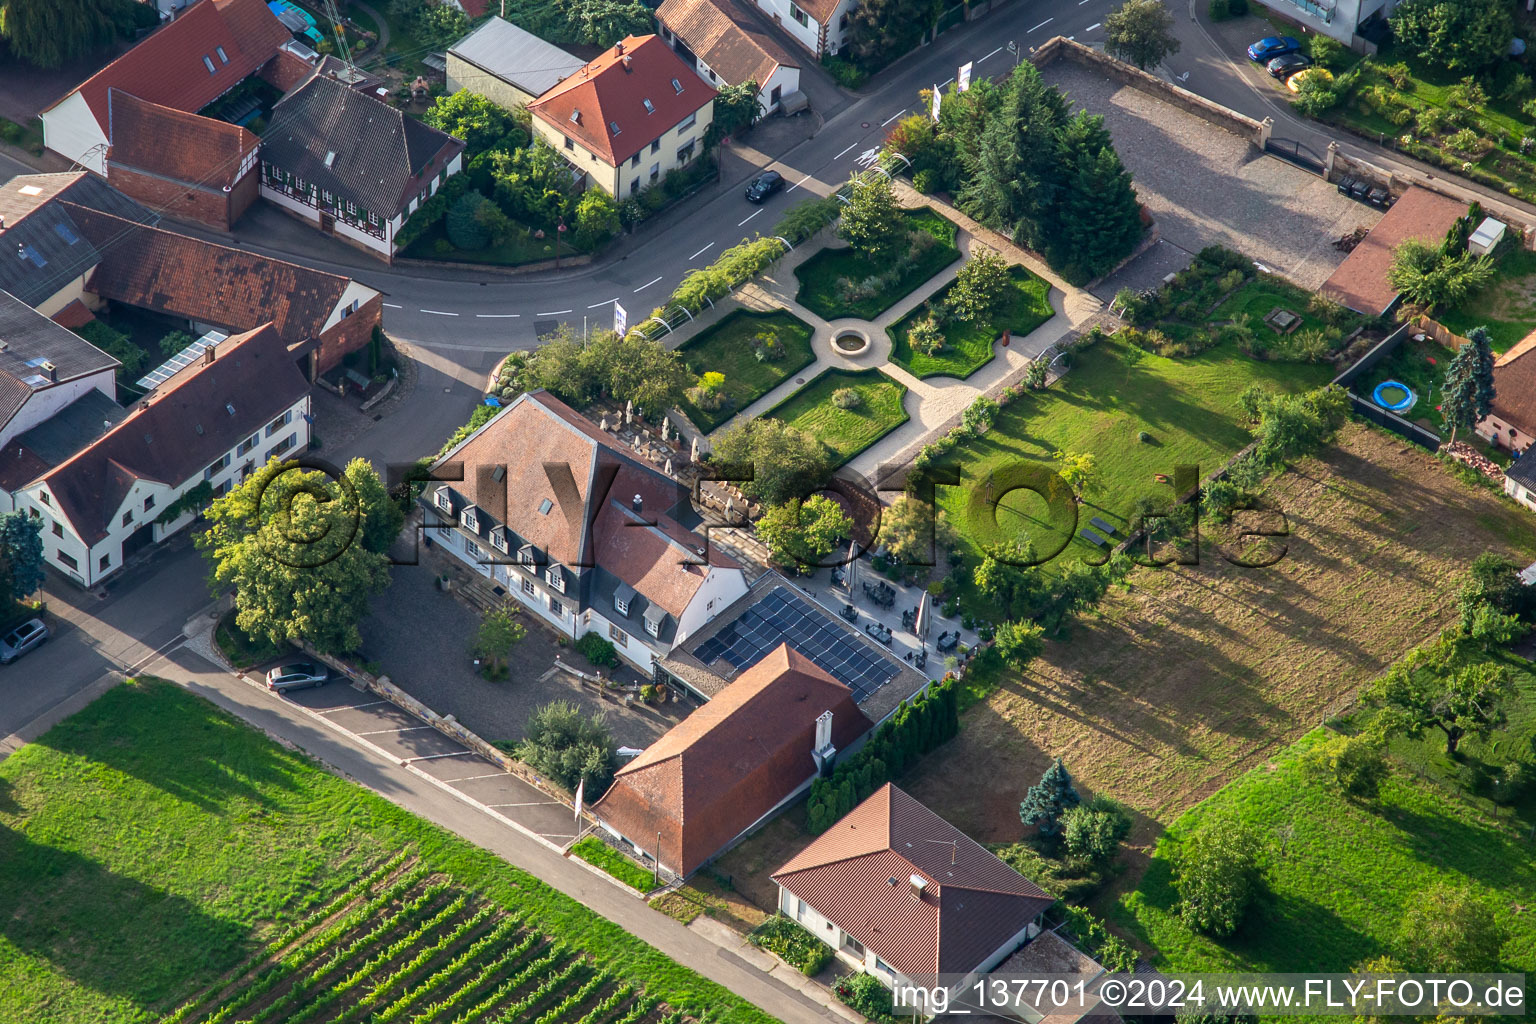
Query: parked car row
x,y
1280,55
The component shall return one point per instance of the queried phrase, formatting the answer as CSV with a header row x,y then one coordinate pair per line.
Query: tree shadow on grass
x,y
178,743
109,933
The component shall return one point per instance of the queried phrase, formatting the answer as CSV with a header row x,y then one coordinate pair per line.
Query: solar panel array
x,y
783,617
181,360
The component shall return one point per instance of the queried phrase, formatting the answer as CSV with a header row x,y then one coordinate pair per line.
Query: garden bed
x,y
846,431
969,345
726,348
819,275
604,857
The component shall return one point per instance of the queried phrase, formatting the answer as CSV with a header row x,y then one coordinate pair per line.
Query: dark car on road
x,y
26,637
1270,47
1284,67
764,185
296,676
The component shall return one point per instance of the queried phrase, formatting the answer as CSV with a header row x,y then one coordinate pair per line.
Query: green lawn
x,y
153,847
1421,366
1507,307
846,431
1263,294
1344,877
968,346
600,855
521,248
1114,391
725,348
819,275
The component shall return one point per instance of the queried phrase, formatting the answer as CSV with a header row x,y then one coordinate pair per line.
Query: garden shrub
x,y
709,393
847,398
807,218
926,336
463,225
792,944
866,994
767,346
925,181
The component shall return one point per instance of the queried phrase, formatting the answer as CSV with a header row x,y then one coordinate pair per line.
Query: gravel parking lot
x,y
1206,186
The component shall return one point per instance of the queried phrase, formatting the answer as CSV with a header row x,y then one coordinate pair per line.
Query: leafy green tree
x,y
737,108
1495,580
1019,643
1449,929
21,556
910,530
438,26
1097,222
1218,875
1462,35
873,223
926,335
114,343
804,532
1014,177
563,368
1293,425
1003,577
981,284
1316,92
1094,831
174,342
786,463
1431,278
475,121
1492,628
1353,763
645,372
1467,395
46,33
498,634
533,184
597,218
1421,694
1048,800
1080,471
465,226
1140,32
569,746
881,30
302,552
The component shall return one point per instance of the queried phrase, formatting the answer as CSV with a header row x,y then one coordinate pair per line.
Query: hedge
x,y
922,723
793,944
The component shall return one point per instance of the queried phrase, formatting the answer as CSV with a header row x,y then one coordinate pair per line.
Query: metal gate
x,y
1296,153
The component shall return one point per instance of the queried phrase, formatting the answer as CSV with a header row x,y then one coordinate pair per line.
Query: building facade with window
x,y
1341,19
727,46
821,26
202,431
555,512
628,117
351,165
1511,422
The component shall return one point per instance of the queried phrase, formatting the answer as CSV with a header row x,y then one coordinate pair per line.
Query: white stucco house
x,y
821,26
727,46
560,516
1341,19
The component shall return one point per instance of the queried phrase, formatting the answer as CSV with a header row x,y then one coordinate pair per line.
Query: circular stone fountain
x,y
850,343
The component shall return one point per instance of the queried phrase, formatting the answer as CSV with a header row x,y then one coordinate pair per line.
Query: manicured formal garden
x,y
1341,873
731,348
875,410
970,344
236,880
844,282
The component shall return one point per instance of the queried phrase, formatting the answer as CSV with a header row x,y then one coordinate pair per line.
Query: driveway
x,y
1206,186
422,639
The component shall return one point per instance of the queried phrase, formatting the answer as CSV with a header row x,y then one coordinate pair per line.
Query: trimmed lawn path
x,y
846,431
726,348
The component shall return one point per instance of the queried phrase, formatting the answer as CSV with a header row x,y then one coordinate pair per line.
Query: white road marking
x,y
531,803
558,312
945,82
434,757
647,284
1095,25
840,155
749,217
994,53
893,117
496,316
1044,23
391,305
349,707
407,728
797,184
177,639
701,251
605,302
438,312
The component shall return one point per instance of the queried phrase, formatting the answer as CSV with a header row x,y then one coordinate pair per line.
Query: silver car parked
x,y
296,676
25,637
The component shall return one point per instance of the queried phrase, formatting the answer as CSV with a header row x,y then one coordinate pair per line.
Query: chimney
x,y
626,62
618,47
638,503
823,751
208,354
919,883
51,371
2,222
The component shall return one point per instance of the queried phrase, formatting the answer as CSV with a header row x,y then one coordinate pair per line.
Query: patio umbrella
x,y
853,567
924,618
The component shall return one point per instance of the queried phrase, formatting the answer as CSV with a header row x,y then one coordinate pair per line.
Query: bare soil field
x,y
1194,674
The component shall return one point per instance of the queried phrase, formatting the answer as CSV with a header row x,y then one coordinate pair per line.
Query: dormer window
x,y
575,117
613,126
650,108
470,520
622,596
620,606
444,500
499,539
555,578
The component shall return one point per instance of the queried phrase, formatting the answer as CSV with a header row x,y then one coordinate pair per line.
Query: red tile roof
x,y
612,91
857,875
74,316
203,281
1514,384
190,420
168,68
727,38
732,761
175,144
1360,282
